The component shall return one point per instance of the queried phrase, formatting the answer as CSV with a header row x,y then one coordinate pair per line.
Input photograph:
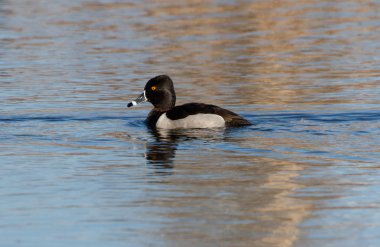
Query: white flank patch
x,y
191,121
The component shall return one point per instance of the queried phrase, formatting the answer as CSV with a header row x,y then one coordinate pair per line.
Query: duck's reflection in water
x,y
160,153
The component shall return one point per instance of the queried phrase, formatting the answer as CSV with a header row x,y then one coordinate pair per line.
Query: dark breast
x,y
152,118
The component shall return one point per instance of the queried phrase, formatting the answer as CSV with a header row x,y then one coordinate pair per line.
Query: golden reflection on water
x,y
248,206
261,47
240,207
270,53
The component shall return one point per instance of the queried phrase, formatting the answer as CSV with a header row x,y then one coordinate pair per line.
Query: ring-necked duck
x,y
160,92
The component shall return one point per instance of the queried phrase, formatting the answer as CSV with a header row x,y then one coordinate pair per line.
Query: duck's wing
x,y
232,119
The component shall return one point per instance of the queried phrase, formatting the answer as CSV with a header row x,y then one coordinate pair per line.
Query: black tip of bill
x,y
139,100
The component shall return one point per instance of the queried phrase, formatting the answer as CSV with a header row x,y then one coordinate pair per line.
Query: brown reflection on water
x,y
228,199
243,206
272,53
260,52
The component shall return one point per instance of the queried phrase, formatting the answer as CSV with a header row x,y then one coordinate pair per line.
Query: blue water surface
x,y
79,168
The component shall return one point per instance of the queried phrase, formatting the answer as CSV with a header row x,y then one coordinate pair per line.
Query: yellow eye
x,y
153,88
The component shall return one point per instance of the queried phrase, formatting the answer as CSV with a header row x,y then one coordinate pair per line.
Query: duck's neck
x,y
166,105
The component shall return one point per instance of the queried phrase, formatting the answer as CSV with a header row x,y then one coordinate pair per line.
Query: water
x,y
80,169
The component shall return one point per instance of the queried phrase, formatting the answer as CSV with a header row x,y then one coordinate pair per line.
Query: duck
x,y
159,91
